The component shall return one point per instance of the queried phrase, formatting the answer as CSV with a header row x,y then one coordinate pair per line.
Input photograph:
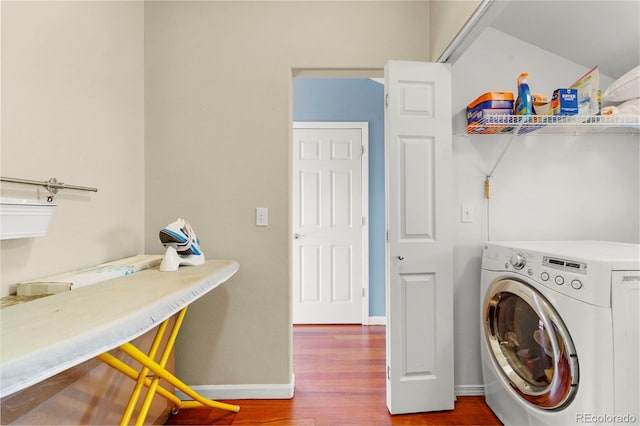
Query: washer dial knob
x,y
518,261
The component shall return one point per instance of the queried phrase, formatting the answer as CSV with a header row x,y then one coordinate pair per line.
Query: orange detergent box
x,y
489,104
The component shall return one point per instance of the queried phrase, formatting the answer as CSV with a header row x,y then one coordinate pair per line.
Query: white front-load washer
x,y
559,332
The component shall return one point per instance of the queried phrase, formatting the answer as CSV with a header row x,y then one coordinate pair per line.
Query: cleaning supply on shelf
x,y
596,102
588,87
564,102
524,104
541,104
486,106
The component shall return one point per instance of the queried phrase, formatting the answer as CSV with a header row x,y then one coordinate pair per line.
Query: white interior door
x,y
330,261
419,243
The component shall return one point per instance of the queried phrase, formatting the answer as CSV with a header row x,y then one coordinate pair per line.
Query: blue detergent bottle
x,y
523,104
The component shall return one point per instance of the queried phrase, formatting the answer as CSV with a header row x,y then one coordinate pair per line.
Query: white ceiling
x,y
605,33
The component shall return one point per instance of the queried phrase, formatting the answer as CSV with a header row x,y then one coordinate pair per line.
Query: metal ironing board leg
x,y
159,372
128,371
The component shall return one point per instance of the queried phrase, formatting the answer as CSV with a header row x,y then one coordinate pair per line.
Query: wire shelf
x,y
521,124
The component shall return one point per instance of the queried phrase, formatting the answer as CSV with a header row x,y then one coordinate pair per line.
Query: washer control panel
x,y
573,278
584,279
518,261
576,283
588,281
560,268
565,265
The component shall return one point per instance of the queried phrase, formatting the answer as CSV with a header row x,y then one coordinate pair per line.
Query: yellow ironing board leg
x,y
159,372
114,362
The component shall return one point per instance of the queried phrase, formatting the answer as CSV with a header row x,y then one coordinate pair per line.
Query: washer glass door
x,y
530,344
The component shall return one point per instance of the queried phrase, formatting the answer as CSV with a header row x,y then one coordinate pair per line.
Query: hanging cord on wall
x,y
487,181
487,187
487,195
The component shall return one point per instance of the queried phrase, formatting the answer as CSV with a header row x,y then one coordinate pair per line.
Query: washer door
x,y
530,344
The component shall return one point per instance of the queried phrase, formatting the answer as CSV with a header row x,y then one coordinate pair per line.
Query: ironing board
x,y
47,336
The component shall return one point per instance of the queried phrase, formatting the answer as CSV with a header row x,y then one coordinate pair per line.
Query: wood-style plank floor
x,y
339,372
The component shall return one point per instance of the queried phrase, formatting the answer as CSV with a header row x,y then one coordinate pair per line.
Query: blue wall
x,y
354,99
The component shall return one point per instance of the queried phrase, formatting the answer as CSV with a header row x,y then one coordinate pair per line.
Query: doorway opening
x,y
351,96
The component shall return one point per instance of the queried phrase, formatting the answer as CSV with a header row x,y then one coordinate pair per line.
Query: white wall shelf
x,y
24,218
543,124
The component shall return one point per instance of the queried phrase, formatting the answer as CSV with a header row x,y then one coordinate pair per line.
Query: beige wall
x,y
218,99
446,19
73,108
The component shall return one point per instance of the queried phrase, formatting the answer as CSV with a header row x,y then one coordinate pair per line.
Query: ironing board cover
x,y
47,336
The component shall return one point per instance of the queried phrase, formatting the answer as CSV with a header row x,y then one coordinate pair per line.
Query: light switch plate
x,y
262,216
466,213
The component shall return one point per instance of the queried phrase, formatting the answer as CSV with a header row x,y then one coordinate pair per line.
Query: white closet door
x,y
419,248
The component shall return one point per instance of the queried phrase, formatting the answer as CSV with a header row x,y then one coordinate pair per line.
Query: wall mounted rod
x,y
52,185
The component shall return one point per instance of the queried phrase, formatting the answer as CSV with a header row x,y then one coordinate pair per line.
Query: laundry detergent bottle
x,y
524,103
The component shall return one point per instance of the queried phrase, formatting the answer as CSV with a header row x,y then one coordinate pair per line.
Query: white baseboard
x,y
469,390
262,391
282,391
377,320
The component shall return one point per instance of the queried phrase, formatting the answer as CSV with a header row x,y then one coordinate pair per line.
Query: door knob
x,y
400,257
296,236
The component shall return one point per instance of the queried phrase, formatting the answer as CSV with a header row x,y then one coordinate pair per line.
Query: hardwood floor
x,y
339,372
